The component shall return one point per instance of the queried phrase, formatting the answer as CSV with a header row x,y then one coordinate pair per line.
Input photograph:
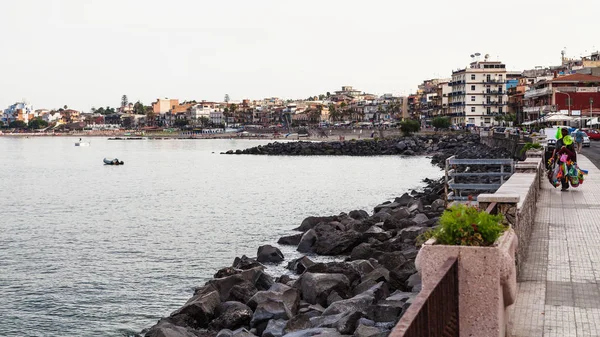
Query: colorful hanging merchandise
x,y
565,168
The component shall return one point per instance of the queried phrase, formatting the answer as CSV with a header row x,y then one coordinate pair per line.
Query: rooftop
x,y
576,78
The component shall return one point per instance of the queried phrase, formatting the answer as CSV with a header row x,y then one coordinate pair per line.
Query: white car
x,y
586,139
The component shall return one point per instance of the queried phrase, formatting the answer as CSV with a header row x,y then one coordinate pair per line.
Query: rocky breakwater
x,y
449,143
364,295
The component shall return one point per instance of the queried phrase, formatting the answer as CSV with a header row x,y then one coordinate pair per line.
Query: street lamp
x,y
569,97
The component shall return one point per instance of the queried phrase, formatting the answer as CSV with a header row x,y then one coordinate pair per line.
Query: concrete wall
x,y
517,199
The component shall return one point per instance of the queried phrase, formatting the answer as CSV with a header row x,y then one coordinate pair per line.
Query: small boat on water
x,y
82,143
113,162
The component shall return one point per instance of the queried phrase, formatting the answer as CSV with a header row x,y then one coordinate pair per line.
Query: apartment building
x,y
478,93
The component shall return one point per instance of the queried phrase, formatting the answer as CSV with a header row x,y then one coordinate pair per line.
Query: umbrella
x,y
559,118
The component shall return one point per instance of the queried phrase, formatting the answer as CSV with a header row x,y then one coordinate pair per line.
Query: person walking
x,y
579,140
565,154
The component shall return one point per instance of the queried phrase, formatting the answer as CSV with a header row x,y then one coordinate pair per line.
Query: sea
x,y
88,249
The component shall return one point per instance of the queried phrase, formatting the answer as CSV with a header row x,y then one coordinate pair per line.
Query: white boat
x,y
82,143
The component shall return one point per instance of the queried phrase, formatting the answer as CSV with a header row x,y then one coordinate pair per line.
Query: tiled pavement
x,y
559,284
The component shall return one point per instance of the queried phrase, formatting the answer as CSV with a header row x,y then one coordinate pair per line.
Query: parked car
x,y
586,139
592,134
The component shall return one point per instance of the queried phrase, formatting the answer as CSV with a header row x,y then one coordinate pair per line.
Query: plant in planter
x,y
530,146
465,225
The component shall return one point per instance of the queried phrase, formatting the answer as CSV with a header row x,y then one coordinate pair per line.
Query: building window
x,y
499,110
472,98
486,120
472,109
472,88
471,120
473,77
488,110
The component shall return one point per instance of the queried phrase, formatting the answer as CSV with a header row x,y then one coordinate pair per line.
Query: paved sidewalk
x,y
559,287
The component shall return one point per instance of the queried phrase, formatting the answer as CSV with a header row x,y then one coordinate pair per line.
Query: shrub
x,y
441,122
529,146
464,225
409,126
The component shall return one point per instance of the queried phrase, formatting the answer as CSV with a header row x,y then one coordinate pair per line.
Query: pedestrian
x,y
565,157
579,139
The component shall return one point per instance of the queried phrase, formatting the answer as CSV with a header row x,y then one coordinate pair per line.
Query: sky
x,y
88,53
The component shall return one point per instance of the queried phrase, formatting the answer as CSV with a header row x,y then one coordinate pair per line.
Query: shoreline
x,y
364,295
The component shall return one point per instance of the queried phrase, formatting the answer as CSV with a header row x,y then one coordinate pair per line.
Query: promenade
x,y
559,286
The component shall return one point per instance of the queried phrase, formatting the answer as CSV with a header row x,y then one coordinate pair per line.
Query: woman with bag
x,y
565,157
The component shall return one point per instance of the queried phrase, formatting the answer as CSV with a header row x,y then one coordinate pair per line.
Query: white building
x,y
20,111
202,110
216,117
478,93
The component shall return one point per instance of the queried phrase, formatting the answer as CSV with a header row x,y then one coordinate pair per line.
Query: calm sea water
x,y
88,249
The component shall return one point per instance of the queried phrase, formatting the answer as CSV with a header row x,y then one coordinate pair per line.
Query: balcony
x,y
493,81
538,109
494,92
537,92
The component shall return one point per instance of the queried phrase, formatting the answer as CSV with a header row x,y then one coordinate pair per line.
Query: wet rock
x,y
200,309
167,329
420,219
316,287
269,254
335,242
404,200
269,310
362,251
299,265
290,239
411,233
307,241
377,233
312,221
358,214
245,263
231,315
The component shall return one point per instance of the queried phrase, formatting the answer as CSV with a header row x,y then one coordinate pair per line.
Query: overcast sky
x,y
86,53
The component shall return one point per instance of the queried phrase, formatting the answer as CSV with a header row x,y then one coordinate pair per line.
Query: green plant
x,y
465,225
441,122
409,126
529,146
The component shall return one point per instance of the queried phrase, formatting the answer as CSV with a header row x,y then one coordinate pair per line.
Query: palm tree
x,y
334,115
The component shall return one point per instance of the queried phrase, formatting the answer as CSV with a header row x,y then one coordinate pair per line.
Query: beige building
x,y
164,105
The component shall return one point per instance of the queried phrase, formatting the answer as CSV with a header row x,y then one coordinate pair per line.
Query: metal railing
x,y
458,188
434,312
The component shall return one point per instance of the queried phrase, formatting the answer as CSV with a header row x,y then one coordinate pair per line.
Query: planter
x,y
487,282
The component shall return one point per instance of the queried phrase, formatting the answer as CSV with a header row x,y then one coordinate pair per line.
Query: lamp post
x,y
569,96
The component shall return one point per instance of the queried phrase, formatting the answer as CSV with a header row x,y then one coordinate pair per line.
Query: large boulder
x,y
164,328
370,331
292,240
200,309
377,233
358,303
269,310
404,200
245,263
299,265
336,268
307,241
268,253
332,241
312,221
323,332
411,233
289,297
247,278
231,315
362,251
358,214
275,328
315,287
392,260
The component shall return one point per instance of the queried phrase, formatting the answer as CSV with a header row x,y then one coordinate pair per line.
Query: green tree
x,y
441,122
138,108
37,123
1,124
204,121
100,110
334,114
499,118
17,125
409,126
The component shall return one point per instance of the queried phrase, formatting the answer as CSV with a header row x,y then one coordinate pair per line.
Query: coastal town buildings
x,y
478,94
20,111
573,94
